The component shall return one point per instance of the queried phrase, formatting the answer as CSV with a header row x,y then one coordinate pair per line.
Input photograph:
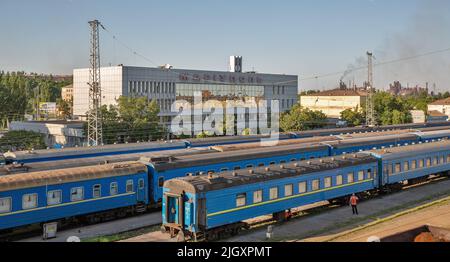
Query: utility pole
x,y
95,130
370,111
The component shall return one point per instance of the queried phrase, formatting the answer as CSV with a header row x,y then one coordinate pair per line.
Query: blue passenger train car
x,y
51,196
199,205
205,206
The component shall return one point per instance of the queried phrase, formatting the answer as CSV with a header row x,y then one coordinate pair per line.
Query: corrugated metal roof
x,y
54,177
214,158
204,183
413,151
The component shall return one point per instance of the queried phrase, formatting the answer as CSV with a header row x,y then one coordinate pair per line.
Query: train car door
x,y
141,190
173,203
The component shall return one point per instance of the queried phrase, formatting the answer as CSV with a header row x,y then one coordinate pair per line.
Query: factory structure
x,y
166,85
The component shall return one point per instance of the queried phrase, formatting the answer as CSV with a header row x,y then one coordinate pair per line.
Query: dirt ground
x,y
436,215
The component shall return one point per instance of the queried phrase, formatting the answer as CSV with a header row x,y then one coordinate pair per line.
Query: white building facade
x,y
168,85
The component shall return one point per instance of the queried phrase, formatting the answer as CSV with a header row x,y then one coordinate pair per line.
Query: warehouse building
x,y
333,102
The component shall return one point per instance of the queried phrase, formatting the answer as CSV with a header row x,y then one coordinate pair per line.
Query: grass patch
x,y
123,235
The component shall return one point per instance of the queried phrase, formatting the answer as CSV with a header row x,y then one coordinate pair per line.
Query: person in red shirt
x,y
354,203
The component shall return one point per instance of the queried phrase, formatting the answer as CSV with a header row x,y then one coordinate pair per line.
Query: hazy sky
x,y
307,38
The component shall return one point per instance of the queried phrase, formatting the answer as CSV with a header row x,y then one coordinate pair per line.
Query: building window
x,y
339,180
29,201
302,187
97,191
5,205
288,190
129,187
315,185
273,193
76,194
327,182
113,189
360,175
241,200
350,177
54,197
258,196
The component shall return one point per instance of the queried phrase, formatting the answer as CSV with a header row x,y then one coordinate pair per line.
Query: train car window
x,y
288,190
161,181
130,186
360,175
413,164
273,193
283,162
315,185
76,194
237,168
312,157
339,180
390,169
5,205
97,191
249,166
261,164
428,161
327,182
257,196
241,200
435,161
421,163
442,160
54,197
302,159
223,169
398,168
350,178
406,166
272,163
293,160
448,158
142,183
302,187
29,201
369,173
113,189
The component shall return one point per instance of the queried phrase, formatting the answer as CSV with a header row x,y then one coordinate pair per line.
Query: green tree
x,y
132,120
64,108
353,117
300,119
22,140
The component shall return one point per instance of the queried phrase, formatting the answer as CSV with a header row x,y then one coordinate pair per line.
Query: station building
x,y
166,85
